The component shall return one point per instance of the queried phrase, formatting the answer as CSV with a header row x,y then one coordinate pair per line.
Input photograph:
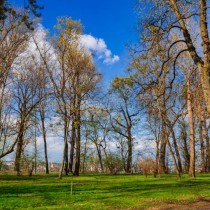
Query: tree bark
x,y
204,68
163,143
73,133
174,159
64,165
203,65
192,134
202,147
157,158
179,162
19,149
84,157
129,143
78,136
42,116
185,148
207,147
99,156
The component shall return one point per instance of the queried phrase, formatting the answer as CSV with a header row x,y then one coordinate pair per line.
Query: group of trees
x,y
36,74
51,85
173,78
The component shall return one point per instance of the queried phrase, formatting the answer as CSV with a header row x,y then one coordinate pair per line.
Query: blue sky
x,y
110,23
113,21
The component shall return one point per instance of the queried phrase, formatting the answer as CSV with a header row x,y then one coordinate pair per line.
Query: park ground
x,y
104,192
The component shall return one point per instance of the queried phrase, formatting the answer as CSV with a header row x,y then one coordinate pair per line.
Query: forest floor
x,y
93,191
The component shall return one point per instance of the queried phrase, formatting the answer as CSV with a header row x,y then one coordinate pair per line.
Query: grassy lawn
x,y
100,191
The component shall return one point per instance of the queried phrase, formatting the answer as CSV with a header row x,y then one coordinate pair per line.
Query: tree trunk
x,y
157,158
207,147
179,162
205,82
205,67
66,129
78,136
186,155
162,158
35,152
84,157
73,133
192,134
202,147
66,158
129,160
99,156
73,137
19,149
64,165
162,166
42,116
174,159
77,159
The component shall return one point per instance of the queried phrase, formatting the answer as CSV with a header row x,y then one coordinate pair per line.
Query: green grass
x,y
99,191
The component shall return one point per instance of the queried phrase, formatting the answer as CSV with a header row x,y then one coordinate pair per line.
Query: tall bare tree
x,y
125,114
167,16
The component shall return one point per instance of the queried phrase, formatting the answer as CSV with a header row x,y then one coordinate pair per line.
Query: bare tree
x,y
26,99
178,16
125,114
13,41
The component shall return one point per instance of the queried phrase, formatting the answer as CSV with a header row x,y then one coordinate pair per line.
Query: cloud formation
x,y
99,47
91,43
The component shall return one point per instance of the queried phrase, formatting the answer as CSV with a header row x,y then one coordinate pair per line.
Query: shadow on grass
x,y
92,189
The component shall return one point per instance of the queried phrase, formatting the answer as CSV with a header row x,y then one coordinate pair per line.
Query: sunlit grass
x,y
99,191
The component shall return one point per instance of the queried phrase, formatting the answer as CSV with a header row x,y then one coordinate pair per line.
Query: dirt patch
x,y
201,204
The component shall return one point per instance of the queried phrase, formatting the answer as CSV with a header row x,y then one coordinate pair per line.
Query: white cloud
x,y
99,47
54,147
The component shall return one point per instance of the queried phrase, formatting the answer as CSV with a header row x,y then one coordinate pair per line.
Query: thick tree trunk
x,y
192,134
186,154
73,134
129,143
78,137
205,67
77,158
203,164
205,82
162,166
207,147
162,158
19,149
